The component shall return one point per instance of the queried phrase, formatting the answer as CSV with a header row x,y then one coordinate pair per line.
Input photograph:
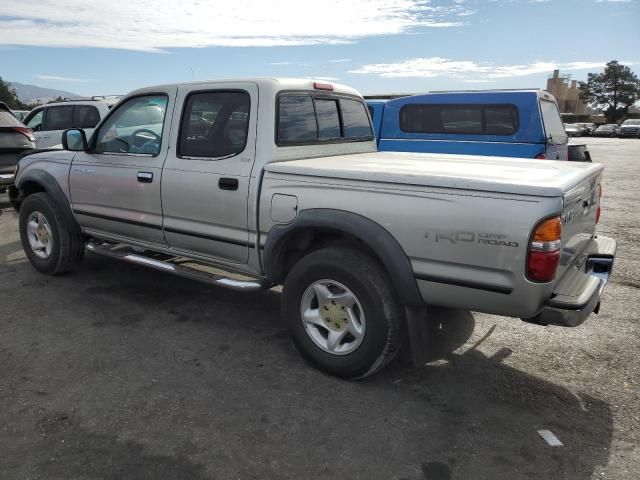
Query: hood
x,y
468,172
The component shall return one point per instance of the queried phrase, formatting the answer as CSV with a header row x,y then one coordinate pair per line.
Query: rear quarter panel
x,y
467,248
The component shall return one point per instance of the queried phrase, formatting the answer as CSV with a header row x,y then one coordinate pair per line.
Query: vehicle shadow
x,y
226,378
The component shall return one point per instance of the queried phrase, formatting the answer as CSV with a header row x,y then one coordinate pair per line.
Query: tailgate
x,y
579,217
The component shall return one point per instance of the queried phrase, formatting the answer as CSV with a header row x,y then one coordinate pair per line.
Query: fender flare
x,y
376,237
53,189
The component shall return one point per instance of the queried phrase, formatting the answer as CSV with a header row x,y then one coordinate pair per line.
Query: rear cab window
x,y
553,128
312,118
498,119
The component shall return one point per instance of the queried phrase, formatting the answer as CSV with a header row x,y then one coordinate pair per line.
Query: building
x,y
566,93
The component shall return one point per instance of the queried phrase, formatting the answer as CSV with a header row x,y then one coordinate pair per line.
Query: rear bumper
x,y
578,294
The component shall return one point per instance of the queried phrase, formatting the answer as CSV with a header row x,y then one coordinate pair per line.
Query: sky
x,y
376,46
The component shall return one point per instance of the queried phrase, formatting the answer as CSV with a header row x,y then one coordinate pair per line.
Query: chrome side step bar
x,y
121,252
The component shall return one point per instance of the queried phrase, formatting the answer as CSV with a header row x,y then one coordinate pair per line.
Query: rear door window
x,y
553,127
85,116
214,124
59,118
460,119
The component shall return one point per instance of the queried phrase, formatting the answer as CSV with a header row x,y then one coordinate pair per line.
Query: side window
x,y
59,118
468,120
35,122
355,120
214,124
135,127
461,119
328,119
297,120
85,116
552,122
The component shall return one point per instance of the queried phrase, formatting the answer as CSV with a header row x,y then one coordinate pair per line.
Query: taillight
x,y
322,86
27,132
543,255
599,198
541,156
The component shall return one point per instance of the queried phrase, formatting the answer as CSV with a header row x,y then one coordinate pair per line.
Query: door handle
x,y
145,177
228,183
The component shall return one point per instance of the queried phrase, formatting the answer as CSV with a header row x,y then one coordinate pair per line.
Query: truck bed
x,y
491,174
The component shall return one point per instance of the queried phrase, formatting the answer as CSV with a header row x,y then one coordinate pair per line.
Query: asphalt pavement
x,y
118,372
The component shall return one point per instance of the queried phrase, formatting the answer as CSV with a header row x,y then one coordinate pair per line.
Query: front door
x,y
115,187
205,182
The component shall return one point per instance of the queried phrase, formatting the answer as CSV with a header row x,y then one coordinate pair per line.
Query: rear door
x,y
205,181
556,137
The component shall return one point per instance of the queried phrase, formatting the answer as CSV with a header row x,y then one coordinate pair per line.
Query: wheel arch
x,y
35,181
309,225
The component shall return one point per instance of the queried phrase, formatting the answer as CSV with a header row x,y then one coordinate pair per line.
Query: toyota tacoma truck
x,y
257,183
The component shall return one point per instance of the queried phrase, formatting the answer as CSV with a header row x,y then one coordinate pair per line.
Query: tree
x,y
614,90
8,96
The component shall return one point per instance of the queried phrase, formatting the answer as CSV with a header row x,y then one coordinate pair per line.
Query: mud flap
x,y
418,334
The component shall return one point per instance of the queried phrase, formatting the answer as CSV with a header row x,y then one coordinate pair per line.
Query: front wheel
x,y
342,312
49,243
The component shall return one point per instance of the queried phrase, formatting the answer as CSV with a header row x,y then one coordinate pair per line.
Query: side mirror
x,y
74,140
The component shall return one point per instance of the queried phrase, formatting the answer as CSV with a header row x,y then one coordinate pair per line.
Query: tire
x,y
343,272
62,250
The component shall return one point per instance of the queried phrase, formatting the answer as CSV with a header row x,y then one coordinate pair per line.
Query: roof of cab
x,y
264,83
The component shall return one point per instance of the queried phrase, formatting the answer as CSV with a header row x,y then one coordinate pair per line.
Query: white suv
x,y
50,120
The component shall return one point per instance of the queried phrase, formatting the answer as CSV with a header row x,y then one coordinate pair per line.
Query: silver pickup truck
x,y
255,183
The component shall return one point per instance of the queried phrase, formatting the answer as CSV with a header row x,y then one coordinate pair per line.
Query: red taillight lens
x,y
27,132
322,86
543,255
541,156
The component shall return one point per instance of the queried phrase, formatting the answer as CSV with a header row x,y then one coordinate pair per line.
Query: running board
x,y
123,252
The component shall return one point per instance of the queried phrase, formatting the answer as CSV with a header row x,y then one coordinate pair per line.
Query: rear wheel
x,y
342,312
49,243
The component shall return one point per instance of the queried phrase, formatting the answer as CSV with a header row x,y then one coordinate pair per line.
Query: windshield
x,y
606,127
631,122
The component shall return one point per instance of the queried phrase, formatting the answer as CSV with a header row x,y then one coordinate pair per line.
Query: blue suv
x,y
513,123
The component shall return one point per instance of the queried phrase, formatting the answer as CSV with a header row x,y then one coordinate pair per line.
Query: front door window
x,y
134,128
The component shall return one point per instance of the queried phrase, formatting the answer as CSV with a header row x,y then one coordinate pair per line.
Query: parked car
x,y
285,187
50,120
579,153
573,129
15,139
630,128
589,128
608,130
522,123
20,114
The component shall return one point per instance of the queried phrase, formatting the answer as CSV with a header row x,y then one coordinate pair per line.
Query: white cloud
x,y
162,24
443,67
61,79
340,60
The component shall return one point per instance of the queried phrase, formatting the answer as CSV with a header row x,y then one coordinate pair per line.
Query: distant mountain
x,y
34,94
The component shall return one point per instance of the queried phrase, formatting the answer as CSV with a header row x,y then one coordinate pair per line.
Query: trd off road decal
x,y
462,237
